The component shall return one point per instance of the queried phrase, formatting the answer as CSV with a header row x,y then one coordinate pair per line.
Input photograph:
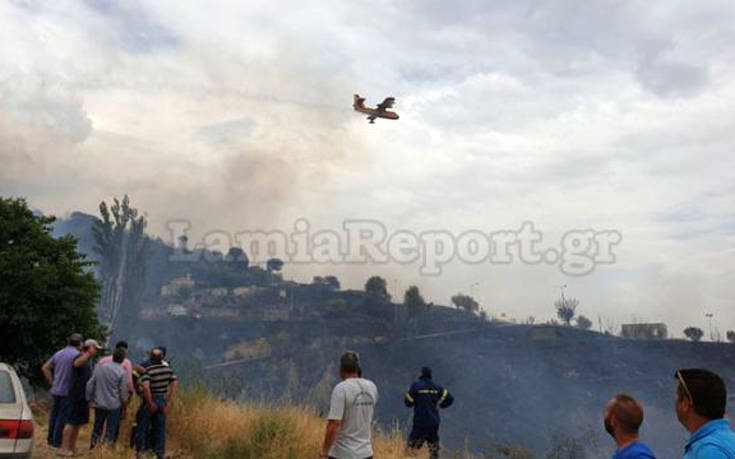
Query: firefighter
x,y
424,396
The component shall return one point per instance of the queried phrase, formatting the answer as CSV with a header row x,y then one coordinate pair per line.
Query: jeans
x,y
157,420
57,420
111,428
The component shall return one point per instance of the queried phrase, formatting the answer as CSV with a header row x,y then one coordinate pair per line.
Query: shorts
x,y
78,413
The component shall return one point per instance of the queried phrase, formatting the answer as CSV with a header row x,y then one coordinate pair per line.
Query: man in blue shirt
x,y
700,402
623,419
423,396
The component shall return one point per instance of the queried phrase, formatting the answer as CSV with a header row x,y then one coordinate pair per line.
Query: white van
x,y
16,420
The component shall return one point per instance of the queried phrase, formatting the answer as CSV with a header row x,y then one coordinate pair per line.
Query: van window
x,y
7,392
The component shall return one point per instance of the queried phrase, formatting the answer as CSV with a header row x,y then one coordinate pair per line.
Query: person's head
x,y
623,416
119,354
701,396
123,344
425,373
75,340
156,356
163,350
92,346
349,365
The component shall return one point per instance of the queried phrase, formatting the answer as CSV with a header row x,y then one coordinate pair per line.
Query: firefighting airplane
x,y
381,111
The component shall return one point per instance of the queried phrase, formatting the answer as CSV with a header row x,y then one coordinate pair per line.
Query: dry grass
x,y
201,426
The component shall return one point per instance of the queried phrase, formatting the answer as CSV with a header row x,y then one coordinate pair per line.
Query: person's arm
x,y
330,436
148,397
173,389
82,359
408,400
334,423
129,376
446,399
47,373
90,386
123,391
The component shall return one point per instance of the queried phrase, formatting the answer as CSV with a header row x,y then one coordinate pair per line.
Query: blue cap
x,y
426,371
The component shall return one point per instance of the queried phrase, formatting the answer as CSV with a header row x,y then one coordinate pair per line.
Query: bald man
x,y
623,418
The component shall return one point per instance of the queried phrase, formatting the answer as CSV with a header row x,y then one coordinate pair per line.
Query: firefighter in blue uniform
x,y
424,396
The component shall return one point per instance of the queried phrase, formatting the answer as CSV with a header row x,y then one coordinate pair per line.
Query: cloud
x,y
237,116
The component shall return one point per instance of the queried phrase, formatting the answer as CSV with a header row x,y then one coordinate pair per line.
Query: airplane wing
x,y
386,104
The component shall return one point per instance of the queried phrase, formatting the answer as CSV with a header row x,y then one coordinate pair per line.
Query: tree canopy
x,y
693,333
377,287
47,291
465,302
566,308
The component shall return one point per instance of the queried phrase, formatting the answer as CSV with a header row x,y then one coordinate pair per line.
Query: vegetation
x,y
730,336
566,309
203,426
122,247
377,288
583,322
413,300
47,291
693,333
465,302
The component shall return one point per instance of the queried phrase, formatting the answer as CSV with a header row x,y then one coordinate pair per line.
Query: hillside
x,y
252,337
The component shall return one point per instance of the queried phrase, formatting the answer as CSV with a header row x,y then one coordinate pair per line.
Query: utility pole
x,y
709,316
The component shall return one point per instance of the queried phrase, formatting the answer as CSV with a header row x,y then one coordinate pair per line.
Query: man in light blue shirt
x,y
700,402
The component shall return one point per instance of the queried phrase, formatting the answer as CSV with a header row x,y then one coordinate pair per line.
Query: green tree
x,y
731,336
693,333
465,302
413,300
122,247
47,290
377,287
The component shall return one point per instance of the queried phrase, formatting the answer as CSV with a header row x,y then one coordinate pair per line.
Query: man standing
x,y
108,392
349,426
424,395
78,404
700,402
126,365
159,385
623,419
58,371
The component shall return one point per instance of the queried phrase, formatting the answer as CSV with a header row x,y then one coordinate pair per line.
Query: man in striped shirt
x,y
159,385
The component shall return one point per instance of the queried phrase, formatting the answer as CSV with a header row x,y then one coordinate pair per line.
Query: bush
x,y
693,333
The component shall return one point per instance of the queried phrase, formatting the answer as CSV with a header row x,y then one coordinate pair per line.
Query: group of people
x,y
700,400
78,384
108,386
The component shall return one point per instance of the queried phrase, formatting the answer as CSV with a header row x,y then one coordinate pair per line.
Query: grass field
x,y
202,426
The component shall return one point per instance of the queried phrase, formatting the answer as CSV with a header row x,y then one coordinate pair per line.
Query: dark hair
x,y
707,391
627,412
349,362
123,344
75,339
156,356
119,355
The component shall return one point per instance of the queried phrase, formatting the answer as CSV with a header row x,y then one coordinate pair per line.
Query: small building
x,y
644,331
545,332
177,285
177,310
241,291
219,292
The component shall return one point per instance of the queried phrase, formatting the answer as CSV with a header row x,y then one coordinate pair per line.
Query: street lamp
x,y
709,316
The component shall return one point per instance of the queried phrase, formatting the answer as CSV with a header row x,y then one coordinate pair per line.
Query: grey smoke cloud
x,y
237,116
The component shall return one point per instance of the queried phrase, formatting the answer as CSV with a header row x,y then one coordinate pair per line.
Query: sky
x,y
235,116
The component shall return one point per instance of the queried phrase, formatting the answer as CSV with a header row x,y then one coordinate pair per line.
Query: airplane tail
x,y
359,102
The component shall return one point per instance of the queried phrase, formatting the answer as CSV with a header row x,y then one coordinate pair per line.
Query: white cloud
x,y
237,115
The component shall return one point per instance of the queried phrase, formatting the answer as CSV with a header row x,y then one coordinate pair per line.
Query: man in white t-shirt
x,y
349,428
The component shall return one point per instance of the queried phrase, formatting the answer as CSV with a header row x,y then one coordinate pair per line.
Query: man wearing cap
x,y
78,404
424,395
349,425
700,403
